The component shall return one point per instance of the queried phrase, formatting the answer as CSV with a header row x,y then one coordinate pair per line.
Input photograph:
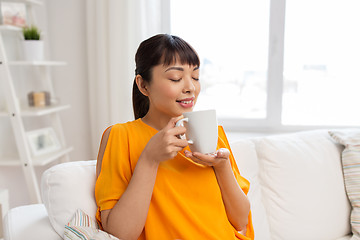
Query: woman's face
x,y
173,89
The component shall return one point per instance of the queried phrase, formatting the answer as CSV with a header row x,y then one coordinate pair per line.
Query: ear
x,y
142,85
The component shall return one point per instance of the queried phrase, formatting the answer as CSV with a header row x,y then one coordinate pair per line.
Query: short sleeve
x,y
224,143
115,171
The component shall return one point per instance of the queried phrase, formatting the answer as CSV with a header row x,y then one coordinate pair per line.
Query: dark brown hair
x,y
159,49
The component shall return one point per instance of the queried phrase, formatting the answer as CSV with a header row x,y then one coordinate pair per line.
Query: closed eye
x,y
197,79
176,80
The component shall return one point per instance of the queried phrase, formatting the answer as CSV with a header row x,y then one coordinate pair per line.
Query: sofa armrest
x,y
29,222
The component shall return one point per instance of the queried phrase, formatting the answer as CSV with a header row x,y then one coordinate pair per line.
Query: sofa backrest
x,y
296,187
302,186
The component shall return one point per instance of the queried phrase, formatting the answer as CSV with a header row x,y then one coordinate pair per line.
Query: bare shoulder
x,y
103,144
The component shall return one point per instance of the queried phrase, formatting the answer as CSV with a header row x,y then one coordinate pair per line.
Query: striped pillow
x,y
350,138
83,227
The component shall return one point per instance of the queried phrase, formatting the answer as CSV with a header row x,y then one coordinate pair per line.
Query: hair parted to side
x,y
160,49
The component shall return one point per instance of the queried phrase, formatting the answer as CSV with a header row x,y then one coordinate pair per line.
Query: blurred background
x,y
267,67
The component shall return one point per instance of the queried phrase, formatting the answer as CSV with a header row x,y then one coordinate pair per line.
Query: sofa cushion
x,y
28,222
350,138
67,187
246,160
303,187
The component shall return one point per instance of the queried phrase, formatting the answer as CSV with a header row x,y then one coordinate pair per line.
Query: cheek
x,y
167,91
197,88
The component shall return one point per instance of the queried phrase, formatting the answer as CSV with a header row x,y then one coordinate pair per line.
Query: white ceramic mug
x,y
201,130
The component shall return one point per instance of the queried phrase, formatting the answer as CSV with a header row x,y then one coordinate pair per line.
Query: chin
x,y
187,110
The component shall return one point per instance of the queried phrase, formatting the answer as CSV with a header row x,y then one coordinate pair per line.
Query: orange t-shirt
x,y
186,201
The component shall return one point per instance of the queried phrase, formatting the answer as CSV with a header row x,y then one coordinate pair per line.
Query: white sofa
x,y
297,191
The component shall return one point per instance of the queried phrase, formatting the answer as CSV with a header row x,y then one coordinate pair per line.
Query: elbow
x,y
122,234
242,220
240,224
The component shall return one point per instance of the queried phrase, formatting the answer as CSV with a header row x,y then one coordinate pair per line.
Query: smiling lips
x,y
186,103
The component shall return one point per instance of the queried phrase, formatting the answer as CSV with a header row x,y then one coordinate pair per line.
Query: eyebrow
x,y
179,69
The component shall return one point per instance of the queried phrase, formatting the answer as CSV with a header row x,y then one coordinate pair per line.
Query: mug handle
x,y
181,123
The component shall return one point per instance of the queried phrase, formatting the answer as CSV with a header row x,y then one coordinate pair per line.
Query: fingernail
x,y
219,152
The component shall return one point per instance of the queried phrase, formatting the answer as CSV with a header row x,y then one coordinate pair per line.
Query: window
x,y
269,65
322,62
230,37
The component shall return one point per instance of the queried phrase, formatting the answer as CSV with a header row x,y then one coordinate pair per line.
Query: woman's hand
x,y
217,159
165,144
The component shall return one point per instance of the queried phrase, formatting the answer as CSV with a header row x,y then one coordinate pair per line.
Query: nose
x,y
189,86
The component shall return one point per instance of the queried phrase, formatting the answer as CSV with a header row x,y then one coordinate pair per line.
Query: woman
x,y
149,185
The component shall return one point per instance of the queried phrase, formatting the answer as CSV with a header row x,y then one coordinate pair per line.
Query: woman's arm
x,y
236,203
126,220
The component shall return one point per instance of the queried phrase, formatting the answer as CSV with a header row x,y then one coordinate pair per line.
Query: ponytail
x,y
140,102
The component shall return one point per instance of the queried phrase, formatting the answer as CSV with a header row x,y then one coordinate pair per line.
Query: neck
x,y
156,121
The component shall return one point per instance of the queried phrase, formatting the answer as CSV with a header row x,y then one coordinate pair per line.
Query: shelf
x,y
34,2
37,63
37,161
37,111
10,28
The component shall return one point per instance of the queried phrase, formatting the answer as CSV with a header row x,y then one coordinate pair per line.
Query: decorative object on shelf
x,y
33,46
13,13
39,99
43,141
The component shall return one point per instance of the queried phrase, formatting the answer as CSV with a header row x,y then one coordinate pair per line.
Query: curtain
x,y
115,28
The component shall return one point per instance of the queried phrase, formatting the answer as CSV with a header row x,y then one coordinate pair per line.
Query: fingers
x,y
172,122
177,130
172,132
171,128
181,143
203,159
221,155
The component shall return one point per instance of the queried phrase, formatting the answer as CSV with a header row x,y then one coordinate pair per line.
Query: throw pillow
x,y
67,187
351,169
83,227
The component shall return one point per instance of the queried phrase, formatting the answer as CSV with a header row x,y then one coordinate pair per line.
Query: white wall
x,y
64,25
67,36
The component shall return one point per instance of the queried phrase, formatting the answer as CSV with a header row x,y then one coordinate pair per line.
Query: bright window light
x,y
321,63
231,38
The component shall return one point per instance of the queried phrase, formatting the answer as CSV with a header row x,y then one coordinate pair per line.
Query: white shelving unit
x,y
18,114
